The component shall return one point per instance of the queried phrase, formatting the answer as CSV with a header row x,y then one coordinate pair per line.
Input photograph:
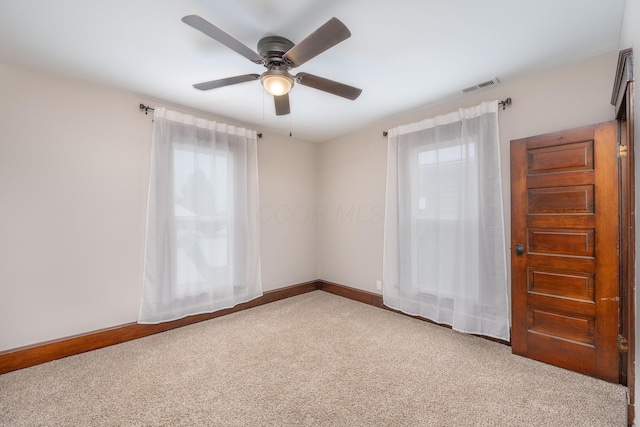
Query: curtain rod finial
x,y
146,108
505,103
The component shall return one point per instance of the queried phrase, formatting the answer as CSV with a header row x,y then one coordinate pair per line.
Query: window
x,y
202,223
444,242
202,247
439,225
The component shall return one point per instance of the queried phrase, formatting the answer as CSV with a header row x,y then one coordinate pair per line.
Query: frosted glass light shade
x,y
276,84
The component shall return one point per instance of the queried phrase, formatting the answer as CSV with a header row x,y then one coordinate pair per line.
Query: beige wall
x,y
351,169
287,168
74,172
74,166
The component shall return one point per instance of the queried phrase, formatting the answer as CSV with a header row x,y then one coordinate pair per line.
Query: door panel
x,y
564,158
561,284
573,199
570,242
565,216
559,324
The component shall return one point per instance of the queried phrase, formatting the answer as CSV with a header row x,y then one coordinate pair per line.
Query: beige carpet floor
x,y
312,360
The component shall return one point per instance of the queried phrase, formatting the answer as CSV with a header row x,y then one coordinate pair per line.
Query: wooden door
x,y
564,243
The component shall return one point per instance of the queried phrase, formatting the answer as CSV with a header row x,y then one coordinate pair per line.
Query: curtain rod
x,y
146,109
504,104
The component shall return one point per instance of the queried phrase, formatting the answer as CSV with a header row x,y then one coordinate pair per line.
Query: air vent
x,y
491,82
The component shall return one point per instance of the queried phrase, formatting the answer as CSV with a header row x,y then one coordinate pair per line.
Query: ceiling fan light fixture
x,y
278,55
276,82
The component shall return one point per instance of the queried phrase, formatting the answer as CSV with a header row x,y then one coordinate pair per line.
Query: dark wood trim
x,y
631,270
352,293
622,98
375,300
25,357
624,74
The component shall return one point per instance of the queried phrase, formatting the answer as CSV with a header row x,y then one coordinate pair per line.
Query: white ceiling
x,y
403,54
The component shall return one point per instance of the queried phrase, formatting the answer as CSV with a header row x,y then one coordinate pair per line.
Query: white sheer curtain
x,y
202,247
444,242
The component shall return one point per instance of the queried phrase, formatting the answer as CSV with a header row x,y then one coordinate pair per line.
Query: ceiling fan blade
x,y
282,105
216,33
329,86
328,35
214,84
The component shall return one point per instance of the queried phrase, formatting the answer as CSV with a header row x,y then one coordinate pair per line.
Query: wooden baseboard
x,y
25,357
352,293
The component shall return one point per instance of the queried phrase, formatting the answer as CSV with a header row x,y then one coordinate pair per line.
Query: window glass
x,y
201,209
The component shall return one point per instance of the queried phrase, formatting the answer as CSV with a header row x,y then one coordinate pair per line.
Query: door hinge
x,y
623,344
623,150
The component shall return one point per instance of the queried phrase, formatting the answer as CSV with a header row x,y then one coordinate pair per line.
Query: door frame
x,y
623,100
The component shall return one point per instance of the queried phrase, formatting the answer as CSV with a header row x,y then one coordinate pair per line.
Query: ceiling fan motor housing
x,y
273,48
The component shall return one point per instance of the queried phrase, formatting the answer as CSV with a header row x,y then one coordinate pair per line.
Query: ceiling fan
x,y
278,55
